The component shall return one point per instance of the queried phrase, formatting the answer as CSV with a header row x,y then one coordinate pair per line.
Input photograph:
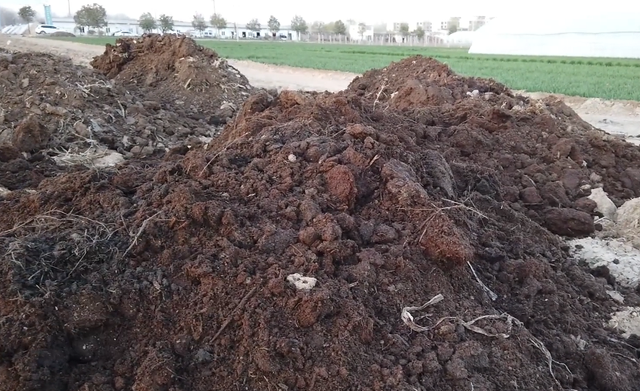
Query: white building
x,y
232,31
357,35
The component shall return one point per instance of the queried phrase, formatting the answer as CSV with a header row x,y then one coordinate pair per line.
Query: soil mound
x,y
176,69
291,253
50,108
62,34
546,158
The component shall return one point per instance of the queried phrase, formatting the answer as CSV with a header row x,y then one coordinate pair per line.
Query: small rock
x,y
147,151
586,205
384,234
202,356
630,179
81,129
55,110
308,236
530,195
571,179
569,222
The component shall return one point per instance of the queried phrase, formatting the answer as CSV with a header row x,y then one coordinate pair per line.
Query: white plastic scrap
x,y
301,282
605,205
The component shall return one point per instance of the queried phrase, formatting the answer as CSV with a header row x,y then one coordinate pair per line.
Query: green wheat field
x,y
587,77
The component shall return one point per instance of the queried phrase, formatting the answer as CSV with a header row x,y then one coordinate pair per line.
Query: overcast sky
x,y
241,11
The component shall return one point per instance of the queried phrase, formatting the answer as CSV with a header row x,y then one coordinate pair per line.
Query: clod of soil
x,y
174,277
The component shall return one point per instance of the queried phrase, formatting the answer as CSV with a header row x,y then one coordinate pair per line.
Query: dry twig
x,y
137,236
492,295
550,361
384,85
238,307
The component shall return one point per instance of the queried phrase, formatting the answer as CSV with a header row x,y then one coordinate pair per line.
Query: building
x,y
114,25
427,26
471,23
232,31
356,34
394,27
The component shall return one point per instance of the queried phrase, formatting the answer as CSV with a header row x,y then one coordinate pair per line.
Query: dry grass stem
x,y
408,319
492,295
140,231
550,361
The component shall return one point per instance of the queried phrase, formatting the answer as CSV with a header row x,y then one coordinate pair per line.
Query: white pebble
x,y
292,158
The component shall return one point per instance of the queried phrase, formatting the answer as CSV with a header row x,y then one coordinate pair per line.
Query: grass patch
x,y
605,78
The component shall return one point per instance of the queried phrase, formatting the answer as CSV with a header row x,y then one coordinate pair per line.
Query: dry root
x,y
408,319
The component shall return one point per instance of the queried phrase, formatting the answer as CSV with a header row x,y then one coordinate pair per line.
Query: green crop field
x,y
588,77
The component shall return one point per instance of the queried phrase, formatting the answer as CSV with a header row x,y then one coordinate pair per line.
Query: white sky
x,y
241,11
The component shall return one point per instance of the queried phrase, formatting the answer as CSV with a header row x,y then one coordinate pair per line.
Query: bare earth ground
x,y
197,298
614,116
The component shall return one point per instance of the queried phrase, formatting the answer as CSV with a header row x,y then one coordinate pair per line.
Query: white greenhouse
x,y
460,38
609,34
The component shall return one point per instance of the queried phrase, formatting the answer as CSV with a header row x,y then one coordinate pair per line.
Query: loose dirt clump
x,y
292,252
176,69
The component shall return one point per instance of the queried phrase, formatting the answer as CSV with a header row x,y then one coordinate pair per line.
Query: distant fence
x,y
385,40
378,40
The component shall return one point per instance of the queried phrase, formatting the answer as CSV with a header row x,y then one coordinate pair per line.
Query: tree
x,y
339,28
147,22
362,28
27,14
318,27
93,15
299,25
8,17
218,22
166,23
453,25
419,33
404,29
198,22
254,25
274,25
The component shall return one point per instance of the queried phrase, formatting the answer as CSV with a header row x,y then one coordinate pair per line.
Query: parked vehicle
x,y
122,34
46,29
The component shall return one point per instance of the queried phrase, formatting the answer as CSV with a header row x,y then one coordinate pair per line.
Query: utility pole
x,y
69,8
214,7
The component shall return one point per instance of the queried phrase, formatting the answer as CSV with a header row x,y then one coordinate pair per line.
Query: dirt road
x,y
616,117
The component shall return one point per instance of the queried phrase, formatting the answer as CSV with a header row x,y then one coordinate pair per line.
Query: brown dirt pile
x,y
545,157
176,277
175,69
52,108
